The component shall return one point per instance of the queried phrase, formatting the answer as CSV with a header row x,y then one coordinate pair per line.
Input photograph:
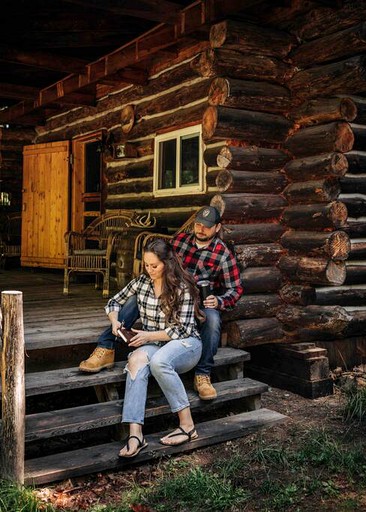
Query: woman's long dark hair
x,y
174,277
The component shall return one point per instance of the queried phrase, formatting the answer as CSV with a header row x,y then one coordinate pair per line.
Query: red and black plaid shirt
x,y
215,263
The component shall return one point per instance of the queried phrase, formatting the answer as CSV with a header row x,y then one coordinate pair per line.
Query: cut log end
x,y
336,273
218,34
224,180
345,140
219,91
338,213
224,157
218,202
348,109
209,122
339,245
127,118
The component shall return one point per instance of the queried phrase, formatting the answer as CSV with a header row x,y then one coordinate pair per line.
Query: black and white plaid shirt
x,y
151,315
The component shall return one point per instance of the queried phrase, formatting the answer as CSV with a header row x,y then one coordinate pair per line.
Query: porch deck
x,y
59,332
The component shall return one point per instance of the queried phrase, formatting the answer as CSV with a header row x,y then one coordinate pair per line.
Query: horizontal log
x,y
318,216
261,279
342,77
251,158
137,186
358,249
248,333
357,325
258,255
240,207
250,182
211,178
335,245
355,273
139,149
325,138
342,295
318,166
324,110
356,205
331,47
360,103
312,270
253,306
235,64
210,156
149,202
252,233
356,161
332,319
256,127
355,229
359,132
250,95
353,184
313,191
250,38
302,295
134,170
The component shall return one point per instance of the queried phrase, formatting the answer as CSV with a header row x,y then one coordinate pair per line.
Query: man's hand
x,y
211,302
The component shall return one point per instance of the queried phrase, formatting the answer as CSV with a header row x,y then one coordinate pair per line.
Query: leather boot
x,y
99,359
202,384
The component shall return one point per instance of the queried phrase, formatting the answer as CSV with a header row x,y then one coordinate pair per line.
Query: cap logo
x,y
206,213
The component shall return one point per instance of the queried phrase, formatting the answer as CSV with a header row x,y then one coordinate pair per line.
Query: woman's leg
x,y
177,356
138,372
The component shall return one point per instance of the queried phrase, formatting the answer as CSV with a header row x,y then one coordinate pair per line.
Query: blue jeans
x,y
210,332
164,363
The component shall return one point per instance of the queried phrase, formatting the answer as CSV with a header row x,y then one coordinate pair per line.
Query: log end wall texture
x,y
282,103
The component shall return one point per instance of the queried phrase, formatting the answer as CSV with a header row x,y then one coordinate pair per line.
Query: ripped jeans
x,y
164,363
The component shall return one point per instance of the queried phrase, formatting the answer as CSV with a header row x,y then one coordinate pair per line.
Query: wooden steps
x,y
87,417
99,458
58,330
64,379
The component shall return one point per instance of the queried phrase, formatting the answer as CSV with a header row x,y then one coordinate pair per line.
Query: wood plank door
x,y
45,215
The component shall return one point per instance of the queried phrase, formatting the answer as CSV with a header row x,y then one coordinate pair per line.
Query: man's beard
x,y
201,238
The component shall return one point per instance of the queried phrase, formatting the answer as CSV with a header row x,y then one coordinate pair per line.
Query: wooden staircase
x,y
65,441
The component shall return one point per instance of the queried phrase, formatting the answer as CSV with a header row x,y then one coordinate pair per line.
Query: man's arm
x,y
231,283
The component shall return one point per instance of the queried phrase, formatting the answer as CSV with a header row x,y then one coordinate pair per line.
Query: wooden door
x,y
88,180
45,217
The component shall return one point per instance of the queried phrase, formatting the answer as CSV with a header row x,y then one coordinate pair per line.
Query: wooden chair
x,y
90,251
10,237
144,237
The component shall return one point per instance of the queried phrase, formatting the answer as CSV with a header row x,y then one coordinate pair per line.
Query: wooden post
x,y
13,387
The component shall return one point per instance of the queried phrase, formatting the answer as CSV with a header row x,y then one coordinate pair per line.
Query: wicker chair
x,y
144,237
90,251
10,237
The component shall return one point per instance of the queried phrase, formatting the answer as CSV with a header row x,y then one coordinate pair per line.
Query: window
x,y
178,165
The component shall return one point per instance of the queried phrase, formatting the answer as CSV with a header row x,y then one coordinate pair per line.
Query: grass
x,y
20,499
355,406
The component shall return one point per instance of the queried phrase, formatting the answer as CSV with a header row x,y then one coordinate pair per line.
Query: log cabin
x,y
256,107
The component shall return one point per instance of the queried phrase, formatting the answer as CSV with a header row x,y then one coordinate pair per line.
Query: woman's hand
x,y
211,302
141,338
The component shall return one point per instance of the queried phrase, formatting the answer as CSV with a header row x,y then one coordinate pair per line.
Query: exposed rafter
x,y
43,60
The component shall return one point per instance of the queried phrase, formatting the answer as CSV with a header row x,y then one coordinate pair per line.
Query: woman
x,y
167,345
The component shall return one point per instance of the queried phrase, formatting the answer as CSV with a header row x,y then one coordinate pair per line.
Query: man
x,y
207,257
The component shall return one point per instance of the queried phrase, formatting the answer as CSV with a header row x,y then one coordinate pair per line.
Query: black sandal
x,y
191,435
141,445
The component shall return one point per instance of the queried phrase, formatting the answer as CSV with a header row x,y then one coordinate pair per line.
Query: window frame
x,y
179,189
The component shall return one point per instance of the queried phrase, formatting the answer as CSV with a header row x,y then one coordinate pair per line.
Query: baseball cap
x,y
208,216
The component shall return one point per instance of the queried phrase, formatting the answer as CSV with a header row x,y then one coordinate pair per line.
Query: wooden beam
x,y
20,92
187,21
43,60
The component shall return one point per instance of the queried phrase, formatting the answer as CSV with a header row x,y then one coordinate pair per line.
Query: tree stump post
x,y
13,387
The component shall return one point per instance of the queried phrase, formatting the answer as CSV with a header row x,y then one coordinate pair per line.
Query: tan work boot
x,y
202,384
99,359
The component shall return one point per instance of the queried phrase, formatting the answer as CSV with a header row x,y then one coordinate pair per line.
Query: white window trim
x,y
185,189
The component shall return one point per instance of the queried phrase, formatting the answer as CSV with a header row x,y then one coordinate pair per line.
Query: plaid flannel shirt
x,y
214,263
151,315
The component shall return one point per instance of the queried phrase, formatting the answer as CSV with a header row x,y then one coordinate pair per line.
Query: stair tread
x,y
71,378
105,457
76,419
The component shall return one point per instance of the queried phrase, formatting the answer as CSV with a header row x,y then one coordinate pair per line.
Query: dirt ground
x,y
303,415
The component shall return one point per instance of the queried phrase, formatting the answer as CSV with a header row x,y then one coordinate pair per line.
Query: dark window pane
x,y
167,167
189,160
92,166
93,206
